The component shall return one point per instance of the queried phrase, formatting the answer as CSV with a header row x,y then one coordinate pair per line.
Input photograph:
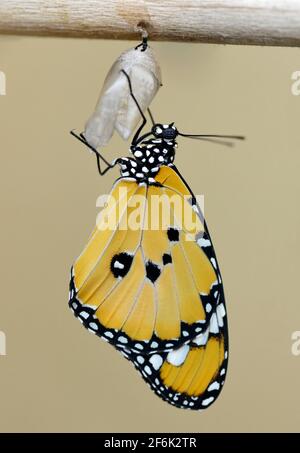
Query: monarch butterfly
x,y
156,294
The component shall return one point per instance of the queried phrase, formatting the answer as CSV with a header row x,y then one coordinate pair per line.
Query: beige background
x,y
58,377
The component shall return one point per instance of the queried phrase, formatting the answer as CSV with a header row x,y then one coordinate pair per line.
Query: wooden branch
x,y
260,22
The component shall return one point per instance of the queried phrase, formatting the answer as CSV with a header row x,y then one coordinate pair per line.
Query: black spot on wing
x,y
152,271
120,264
173,234
166,258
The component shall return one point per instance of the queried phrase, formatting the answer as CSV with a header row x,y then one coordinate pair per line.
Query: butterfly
x,y
155,294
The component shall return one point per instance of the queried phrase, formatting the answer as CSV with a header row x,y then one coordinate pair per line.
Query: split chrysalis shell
x,y
115,109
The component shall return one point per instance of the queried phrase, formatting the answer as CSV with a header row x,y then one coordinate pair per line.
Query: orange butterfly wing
x,y
156,293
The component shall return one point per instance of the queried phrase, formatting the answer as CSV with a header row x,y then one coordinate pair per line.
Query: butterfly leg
x,y
99,157
135,139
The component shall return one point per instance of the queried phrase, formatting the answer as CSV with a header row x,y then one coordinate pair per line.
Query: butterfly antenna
x,y
215,138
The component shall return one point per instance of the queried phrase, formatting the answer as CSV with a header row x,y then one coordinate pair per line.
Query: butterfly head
x,y
165,131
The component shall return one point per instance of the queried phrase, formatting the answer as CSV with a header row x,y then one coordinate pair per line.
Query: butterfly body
x,y
149,156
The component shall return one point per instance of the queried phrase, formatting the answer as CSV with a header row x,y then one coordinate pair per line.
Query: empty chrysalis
x,y
115,109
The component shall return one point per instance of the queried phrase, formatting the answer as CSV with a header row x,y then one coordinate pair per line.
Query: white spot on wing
x,y
84,314
214,263
148,369
156,361
140,359
204,242
208,308
221,310
220,314
214,328
201,339
108,334
207,401
139,346
154,344
178,356
214,386
93,325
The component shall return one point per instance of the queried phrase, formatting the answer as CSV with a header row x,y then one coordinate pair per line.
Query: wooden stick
x,y
259,22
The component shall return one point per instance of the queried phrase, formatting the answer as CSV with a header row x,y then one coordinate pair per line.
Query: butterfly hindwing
x,y
191,376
